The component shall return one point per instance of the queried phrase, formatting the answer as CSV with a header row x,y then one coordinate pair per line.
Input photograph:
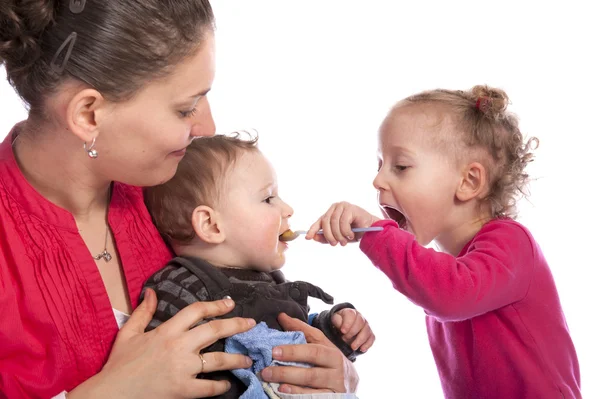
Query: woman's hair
x,y
198,181
485,128
114,46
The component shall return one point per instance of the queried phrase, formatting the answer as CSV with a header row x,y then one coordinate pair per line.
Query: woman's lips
x,y
179,153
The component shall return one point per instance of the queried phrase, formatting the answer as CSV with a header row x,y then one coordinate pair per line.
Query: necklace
x,y
105,254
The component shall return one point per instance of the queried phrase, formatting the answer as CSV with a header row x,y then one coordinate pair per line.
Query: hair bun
x,y
490,101
22,23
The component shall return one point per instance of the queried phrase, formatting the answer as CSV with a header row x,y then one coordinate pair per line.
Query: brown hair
x,y
481,118
119,45
196,182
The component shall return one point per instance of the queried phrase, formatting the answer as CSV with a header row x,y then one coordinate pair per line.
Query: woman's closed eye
x,y
187,114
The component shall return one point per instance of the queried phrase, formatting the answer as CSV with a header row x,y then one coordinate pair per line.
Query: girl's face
x,y
417,180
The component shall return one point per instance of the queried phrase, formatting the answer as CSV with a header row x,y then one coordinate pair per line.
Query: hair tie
x,y
483,103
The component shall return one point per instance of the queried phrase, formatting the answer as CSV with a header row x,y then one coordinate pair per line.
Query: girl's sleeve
x,y
495,270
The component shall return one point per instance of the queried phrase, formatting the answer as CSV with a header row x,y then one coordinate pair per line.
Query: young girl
x,y
451,167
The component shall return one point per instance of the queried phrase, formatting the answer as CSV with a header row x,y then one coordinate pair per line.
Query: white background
x,y
315,78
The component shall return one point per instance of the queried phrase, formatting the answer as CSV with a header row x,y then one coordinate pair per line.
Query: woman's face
x,y
141,141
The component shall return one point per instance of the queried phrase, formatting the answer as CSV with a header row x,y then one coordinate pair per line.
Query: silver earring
x,y
91,151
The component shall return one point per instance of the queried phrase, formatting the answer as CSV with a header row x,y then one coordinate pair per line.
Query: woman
x,y
116,91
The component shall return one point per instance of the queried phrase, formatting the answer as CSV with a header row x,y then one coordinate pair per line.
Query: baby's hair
x,y
198,181
488,129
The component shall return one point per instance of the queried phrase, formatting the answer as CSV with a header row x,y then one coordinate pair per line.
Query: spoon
x,y
290,235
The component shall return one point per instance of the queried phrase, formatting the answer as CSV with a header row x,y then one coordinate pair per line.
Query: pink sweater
x,y
494,319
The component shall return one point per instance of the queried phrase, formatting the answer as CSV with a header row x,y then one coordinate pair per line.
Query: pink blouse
x,y
57,324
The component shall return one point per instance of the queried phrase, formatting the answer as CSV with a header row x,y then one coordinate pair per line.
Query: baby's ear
x,y
474,182
207,225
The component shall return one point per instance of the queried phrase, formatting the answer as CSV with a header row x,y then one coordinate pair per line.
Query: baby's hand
x,y
356,330
337,224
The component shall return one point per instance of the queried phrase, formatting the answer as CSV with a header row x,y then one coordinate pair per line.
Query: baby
x,y
223,217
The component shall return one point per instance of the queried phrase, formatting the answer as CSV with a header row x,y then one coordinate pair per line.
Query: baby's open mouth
x,y
395,215
287,235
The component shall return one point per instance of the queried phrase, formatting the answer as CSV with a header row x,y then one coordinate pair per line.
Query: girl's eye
x,y
269,199
401,168
187,114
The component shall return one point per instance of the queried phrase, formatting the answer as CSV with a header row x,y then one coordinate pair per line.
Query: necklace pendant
x,y
104,255
107,257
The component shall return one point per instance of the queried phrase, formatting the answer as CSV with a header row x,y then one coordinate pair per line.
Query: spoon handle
x,y
355,230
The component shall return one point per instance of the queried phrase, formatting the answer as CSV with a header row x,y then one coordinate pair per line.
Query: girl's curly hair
x,y
481,117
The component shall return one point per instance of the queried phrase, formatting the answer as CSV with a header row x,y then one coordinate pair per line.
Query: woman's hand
x,y
164,362
332,372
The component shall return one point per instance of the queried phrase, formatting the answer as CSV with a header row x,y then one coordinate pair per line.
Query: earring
x,y
91,151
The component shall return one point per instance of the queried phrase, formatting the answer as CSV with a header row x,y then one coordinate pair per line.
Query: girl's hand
x,y
337,224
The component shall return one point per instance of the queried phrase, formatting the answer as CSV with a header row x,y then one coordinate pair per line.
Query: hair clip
x,y
76,6
70,42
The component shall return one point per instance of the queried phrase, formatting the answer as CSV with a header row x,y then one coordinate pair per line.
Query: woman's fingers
x,y
314,377
218,361
196,312
294,389
141,316
331,371
312,335
200,388
210,332
315,354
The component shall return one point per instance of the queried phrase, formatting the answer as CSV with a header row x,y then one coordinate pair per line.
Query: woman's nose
x,y
204,124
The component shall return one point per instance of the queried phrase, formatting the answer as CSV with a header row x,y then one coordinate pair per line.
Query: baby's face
x,y
416,179
253,214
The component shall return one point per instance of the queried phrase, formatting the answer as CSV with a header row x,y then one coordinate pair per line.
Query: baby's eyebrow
x,y
402,149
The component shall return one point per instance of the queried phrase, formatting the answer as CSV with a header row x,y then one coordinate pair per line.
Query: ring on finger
x,y
203,362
